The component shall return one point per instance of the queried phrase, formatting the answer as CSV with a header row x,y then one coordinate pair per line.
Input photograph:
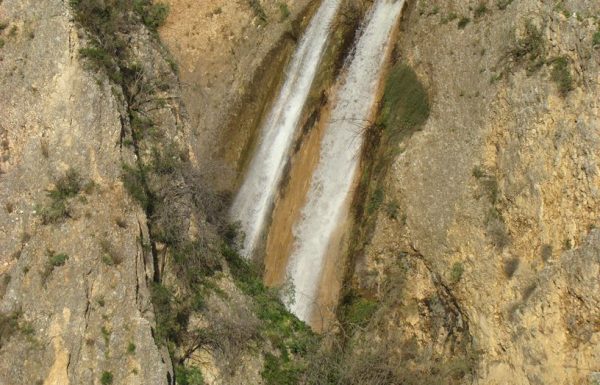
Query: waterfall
x,y
254,200
326,208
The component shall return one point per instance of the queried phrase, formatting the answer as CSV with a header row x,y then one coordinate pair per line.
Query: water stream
x,y
254,199
326,209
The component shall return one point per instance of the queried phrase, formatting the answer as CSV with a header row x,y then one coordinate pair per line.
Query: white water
x,y
254,200
340,149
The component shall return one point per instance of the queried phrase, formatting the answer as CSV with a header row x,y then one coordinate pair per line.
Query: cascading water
x,y
254,200
326,208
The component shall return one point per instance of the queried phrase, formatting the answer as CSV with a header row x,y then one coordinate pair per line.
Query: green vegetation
x,y
58,259
462,23
258,10
65,188
481,10
449,17
12,324
290,336
188,376
375,201
134,182
561,75
357,311
285,11
153,14
596,39
54,261
106,378
530,48
131,348
405,104
109,22
456,272
110,255
105,334
2,43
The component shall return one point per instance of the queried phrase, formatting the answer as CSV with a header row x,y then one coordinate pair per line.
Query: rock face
x,y
231,55
74,301
486,264
498,193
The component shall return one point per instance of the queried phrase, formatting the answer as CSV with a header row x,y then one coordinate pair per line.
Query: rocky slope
x,y
114,264
75,300
476,255
490,209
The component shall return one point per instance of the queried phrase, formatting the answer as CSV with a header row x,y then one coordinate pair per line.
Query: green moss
x,y
405,101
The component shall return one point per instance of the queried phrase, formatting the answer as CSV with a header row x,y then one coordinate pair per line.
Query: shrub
x,y
55,212
106,378
98,57
480,10
54,260
456,272
462,23
531,48
66,187
448,18
2,43
153,15
110,255
285,11
9,326
134,182
375,201
58,259
274,373
561,75
503,4
258,9
131,348
596,39
359,310
188,376
479,172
